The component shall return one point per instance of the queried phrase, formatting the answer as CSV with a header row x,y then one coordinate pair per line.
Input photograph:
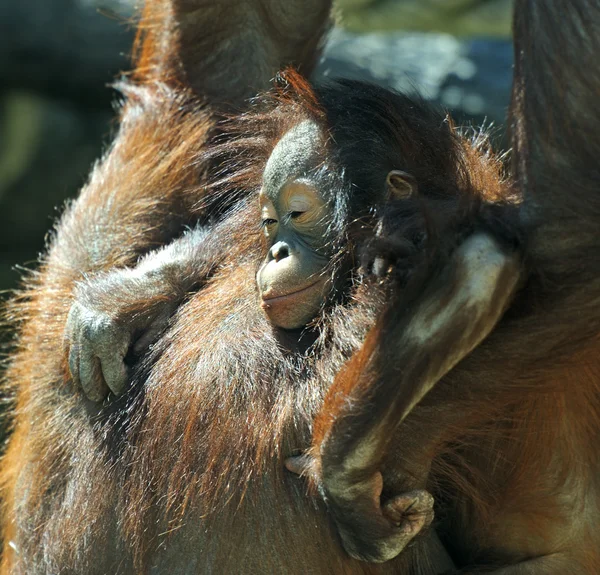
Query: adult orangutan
x,y
230,345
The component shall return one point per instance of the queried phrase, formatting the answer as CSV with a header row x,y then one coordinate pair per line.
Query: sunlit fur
x,y
216,467
185,473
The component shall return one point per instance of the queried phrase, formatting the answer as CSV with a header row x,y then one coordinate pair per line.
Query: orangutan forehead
x,y
294,156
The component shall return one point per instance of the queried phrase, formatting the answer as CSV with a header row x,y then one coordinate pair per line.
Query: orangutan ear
x,y
228,51
400,185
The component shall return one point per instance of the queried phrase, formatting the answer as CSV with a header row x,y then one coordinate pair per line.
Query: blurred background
x,y
58,57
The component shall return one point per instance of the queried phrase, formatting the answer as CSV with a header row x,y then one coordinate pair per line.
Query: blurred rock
x,y
472,78
458,17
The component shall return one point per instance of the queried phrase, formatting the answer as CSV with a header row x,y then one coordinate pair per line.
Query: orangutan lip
x,y
269,300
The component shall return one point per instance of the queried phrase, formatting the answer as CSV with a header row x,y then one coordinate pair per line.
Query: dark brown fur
x,y
185,474
508,440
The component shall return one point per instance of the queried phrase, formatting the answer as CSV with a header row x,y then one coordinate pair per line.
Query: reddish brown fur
x,y
235,56
216,468
186,473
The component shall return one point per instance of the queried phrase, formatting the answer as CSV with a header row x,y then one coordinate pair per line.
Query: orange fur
x,y
185,472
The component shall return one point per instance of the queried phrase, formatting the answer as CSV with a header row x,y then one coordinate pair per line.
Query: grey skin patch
x,y
294,156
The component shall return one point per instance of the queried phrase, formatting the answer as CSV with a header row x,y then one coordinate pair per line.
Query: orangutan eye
x,y
267,222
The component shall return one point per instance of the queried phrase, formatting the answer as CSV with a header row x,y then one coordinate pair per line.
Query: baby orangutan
x,y
359,339
322,214
121,312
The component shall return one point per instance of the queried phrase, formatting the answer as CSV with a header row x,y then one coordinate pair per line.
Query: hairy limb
x,y
229,50
402,358
556,135
127,309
